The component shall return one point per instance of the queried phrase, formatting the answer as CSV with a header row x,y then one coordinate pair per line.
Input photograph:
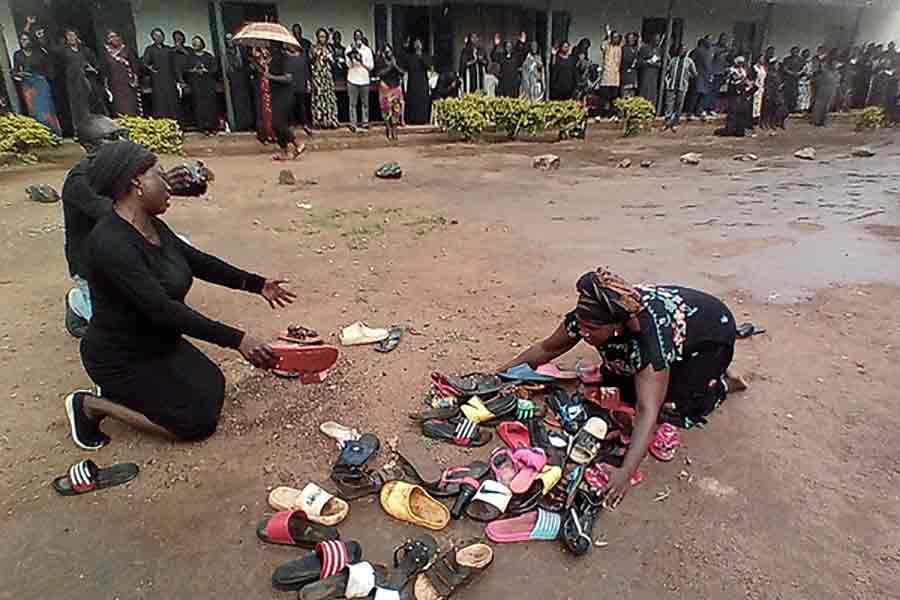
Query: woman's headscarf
x,y
115,165
604,298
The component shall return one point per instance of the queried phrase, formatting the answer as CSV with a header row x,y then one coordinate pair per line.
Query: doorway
x,y
410,23
659,26
747,40
235,14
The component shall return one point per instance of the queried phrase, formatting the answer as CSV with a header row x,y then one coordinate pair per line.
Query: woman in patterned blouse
x,y
686,338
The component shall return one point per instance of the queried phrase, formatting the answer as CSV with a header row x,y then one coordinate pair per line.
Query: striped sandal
x,y
85,476
326,560
462,433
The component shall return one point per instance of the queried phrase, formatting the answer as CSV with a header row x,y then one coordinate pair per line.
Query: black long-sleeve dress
x,y
563,78
159,61
418,94
82,83
122,69
241,88
135,347
510,76
201,74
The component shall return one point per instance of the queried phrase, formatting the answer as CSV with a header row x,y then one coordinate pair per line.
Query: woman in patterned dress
x,y
667,349
324,99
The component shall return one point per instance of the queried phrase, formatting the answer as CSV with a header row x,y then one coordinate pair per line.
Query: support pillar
x,y
548,50
389,26
6,67
661,98
223,62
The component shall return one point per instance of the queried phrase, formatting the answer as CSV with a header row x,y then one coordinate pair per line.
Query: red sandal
x,y
665,442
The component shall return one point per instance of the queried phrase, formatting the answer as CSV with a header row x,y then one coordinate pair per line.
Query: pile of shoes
x,y
563,432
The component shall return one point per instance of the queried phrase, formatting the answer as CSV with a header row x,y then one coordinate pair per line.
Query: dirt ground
x,y
790,492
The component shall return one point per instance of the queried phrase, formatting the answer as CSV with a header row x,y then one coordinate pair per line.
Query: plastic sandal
x,y
551,370
293,528
353,581
85,476
529,463
570,409
411,503
489,502
524,372
578,525
318,505
420,462
536,525
463,433
449,485
665,442
310,362
452,570
326,560
514,434
411,558
589,441
358,452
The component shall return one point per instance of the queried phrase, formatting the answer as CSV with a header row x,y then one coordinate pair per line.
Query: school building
x,y
443,25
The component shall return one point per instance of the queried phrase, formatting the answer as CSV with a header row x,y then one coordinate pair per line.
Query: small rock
x,y
286,177
808,153
646,164
748,157
304,205
862,152
691,158
42,193
546,162
624,163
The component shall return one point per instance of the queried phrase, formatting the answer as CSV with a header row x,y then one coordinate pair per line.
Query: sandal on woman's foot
x,y
318,505
86,432
293,528
326,560
462,433
578,525
353,581
85,476
453,570
536,525
665,442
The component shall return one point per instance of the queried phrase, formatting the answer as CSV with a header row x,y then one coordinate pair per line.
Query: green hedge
x,y
163,136
637,114
872,117
23,136
474,114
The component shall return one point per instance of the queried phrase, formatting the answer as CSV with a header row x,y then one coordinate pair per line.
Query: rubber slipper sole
x,y
334,587
294,575
106,478
417,457
304,359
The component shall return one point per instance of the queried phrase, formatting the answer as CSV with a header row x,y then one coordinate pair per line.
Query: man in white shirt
x,y
360,61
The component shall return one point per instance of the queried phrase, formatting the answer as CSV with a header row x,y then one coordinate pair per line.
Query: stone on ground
x,y
863,152
646,164
808,153
691,158
624,163
546,162
286,177
748,157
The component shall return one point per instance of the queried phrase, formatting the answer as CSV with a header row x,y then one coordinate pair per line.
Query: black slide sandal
x,y
85,476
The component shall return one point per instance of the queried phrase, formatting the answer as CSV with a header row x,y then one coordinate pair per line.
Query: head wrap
x,y
604,298
116,164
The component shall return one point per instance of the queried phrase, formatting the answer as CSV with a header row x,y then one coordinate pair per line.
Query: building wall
x,y
193,17
880,23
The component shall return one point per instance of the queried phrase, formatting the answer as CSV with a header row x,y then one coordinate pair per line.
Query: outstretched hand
x,y
275,295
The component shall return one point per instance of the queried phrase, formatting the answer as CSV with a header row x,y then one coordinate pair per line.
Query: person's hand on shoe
x,y
275,295
616,488
257,352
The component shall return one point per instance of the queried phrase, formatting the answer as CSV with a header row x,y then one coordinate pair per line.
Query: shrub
x,y
24,136
472,115
163,136
637,114
872,117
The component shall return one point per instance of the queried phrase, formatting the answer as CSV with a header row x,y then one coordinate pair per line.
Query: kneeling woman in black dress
x,y
660,345
140,272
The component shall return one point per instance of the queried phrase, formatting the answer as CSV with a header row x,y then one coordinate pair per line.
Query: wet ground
x,y
790,492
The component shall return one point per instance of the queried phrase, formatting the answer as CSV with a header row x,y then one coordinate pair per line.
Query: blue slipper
x,y
524,372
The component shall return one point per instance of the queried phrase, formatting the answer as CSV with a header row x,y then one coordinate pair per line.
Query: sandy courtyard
x,y
792,491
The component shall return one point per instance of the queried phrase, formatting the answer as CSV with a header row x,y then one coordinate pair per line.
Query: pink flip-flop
x,y
514,434
536,525
529,464
551,370
665,442
310,362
